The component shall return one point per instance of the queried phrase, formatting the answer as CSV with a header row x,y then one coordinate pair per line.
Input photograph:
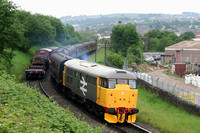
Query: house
x,y
185,52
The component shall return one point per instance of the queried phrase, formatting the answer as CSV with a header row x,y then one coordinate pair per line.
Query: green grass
x,y
20,62
171,74
163,115
100,56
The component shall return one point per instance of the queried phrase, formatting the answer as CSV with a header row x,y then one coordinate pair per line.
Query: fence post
x,y
157,82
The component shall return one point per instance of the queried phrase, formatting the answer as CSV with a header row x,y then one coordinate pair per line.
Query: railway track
x,y
130,128
38,84
140,128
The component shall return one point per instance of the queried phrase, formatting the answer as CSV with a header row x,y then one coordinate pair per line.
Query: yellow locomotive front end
x,y
119,99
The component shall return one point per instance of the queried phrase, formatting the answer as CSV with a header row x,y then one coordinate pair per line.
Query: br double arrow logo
x,y
82,88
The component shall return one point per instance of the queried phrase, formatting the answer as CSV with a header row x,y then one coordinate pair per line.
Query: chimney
x,y
119,22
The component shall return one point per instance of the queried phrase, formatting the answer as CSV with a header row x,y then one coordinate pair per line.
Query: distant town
x,y
103,24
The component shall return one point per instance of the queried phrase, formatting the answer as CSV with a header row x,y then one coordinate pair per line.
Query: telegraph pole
x,y
105,52
96,52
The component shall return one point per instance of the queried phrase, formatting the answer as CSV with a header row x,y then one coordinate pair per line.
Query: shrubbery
x,y
116,60
23,109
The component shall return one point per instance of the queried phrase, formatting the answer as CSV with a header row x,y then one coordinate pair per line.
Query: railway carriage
x,y
40,63
46,51
107,91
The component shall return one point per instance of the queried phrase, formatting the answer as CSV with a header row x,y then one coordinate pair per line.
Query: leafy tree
x,y
124,36
44,32
187,35
10,32
88,36
161,39
116,60
59,27
135,54
153,45
71,36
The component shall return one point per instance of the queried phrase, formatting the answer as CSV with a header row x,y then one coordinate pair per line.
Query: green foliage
x,y
41,30
88,36
71,36
10,33
187,35
161,39
23,109
20,62
103,41
124,36
134,54
116,60
23,30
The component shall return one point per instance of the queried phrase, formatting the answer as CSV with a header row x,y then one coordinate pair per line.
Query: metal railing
x,y
181,92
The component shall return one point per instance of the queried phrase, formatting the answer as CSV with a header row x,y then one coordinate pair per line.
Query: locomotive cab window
x,y
132,83
104,83
111,83
122,81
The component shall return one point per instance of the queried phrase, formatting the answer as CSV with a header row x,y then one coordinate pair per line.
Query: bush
x,y
116,60
23,109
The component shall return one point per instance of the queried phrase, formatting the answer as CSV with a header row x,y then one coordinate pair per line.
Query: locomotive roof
x,y
95,70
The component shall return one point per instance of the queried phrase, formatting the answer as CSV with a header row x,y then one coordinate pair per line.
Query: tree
x,y
116,60
124,36
135,54
161,39
88,36
10,32
187,35
71,36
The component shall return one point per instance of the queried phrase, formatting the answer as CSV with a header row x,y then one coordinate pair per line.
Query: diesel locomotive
x,y
109,92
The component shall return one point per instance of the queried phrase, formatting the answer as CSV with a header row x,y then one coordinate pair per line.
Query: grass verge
x,y
100,56
20,62
163,115
171,74
23,109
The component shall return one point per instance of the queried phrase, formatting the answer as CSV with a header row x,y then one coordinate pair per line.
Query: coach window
x,y
132,83
94,81
75,73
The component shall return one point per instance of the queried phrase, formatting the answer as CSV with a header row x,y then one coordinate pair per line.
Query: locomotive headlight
x,y
111,110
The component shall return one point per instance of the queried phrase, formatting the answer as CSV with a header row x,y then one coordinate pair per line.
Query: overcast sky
x,y
59,8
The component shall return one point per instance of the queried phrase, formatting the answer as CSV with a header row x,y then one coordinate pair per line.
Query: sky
x,y
59,8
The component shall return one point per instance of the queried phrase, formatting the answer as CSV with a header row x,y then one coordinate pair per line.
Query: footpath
x,y
174,81
174,85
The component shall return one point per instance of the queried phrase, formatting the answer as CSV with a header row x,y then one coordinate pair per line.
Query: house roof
x,y
185,45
